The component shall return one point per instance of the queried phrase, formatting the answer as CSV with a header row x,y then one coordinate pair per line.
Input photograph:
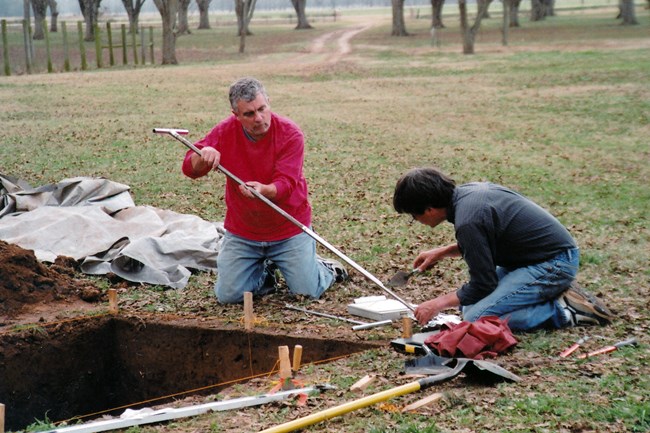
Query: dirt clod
x,y
25,282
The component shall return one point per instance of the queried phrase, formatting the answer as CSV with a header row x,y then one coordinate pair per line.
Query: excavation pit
x,y
109,362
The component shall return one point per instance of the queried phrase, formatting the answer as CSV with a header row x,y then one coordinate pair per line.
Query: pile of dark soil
x,y
26,283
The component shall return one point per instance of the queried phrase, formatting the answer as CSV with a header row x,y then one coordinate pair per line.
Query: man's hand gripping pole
x,y
177,134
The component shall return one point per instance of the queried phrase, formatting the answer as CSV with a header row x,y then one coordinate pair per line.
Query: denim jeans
x,y
527,297
241,267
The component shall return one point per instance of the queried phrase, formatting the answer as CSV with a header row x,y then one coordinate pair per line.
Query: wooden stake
x,y
362,383
2,418
285,364
407,327
249,319
297,358
112,301
433,398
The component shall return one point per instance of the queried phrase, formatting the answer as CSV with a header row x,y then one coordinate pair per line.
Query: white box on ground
x,y
377,308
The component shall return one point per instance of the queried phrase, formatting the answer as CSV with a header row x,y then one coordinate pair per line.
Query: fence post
x,y
66,48
82,47
5,48
98,47
135,49
28,59
143,48
109,34
48,52
125,59
151,44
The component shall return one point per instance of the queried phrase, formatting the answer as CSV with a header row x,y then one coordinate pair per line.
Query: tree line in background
x,y
174,16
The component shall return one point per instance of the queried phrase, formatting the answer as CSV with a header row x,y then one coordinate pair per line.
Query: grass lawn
x,y
561,114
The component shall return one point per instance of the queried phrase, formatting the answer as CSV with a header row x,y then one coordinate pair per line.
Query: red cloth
x,y
485,338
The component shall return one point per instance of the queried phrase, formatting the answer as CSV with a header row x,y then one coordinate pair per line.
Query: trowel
x,y
401,278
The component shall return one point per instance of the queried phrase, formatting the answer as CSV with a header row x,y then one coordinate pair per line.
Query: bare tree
x,y
540,9
514,13
436,14
469,33
300,6
90,12
627,12
133,8
168,10
204,21
550,8
505,26
183,27
486,14
399,28
244,10
54,14
40,10
244,16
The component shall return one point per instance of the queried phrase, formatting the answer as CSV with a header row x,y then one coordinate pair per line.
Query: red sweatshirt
x,y
277,158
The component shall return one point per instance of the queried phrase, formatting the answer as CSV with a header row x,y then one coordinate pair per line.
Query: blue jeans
x,y
241,267
527,297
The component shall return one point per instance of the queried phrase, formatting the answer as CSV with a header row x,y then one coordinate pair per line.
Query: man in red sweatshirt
x,y
266,151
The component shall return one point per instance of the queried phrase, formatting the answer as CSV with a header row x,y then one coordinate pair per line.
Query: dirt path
x,y
342,40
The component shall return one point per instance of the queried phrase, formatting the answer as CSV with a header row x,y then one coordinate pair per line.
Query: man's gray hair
x,y
245,89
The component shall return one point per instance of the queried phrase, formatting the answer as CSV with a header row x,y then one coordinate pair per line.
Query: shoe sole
x,y
577,296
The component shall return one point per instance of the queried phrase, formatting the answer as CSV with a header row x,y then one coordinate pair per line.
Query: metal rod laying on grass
x,y
176,133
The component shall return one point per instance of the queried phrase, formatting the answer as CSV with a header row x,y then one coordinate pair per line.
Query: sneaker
x,y
270,281
340,273
583,308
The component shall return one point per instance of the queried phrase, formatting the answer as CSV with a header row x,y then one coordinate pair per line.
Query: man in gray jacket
x,y
522,261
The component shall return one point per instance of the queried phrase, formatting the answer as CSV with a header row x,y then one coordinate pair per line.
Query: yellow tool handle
x,y
344,408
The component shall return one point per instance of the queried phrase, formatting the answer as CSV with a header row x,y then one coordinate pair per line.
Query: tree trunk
x,y
399,28
90,12
204,18
133,12
486,14
627,12
469,33
300,6
505,26
168,11
514,13
436,14
537,10
468,39
550,8
244,13
183,27
40,10
54,14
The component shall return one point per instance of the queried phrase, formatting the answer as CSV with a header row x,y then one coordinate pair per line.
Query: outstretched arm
x,y
427,310
427,259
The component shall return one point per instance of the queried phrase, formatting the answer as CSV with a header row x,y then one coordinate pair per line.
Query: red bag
x,y
485,338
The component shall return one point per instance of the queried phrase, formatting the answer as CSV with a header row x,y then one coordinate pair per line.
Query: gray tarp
x,y
96,222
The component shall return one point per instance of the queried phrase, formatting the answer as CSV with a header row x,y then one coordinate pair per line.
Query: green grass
x,y
562,115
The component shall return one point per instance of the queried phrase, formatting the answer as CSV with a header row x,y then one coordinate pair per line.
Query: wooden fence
x,y
21,54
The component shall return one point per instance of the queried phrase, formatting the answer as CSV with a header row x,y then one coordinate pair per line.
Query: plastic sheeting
x,y
96,222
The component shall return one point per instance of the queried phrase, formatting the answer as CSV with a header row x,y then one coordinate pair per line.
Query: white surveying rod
x,y
176,134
